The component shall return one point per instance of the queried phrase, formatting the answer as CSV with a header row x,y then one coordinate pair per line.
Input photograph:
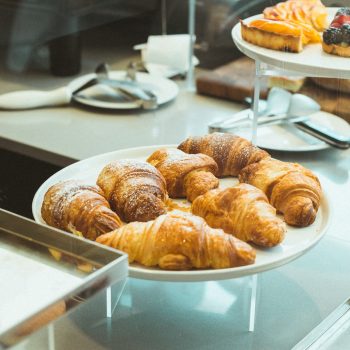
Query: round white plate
x,y
287,137
312,61
296,243
165,90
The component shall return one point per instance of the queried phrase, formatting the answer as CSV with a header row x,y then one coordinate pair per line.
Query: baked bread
x,y
336,38
179,241
290,83
79,208
230,152
186,175
135,190
243,211
292,189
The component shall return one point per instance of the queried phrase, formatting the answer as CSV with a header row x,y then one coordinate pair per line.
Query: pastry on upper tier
x,y
273,34
336,39
310,12
287,26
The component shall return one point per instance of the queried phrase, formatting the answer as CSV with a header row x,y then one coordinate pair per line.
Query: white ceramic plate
x,y
290,139
312,61
165,90
297,242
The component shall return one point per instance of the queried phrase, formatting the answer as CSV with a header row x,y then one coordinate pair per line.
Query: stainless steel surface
x,y
44,267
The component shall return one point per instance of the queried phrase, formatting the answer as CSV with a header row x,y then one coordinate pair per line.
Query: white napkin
x,y
167,55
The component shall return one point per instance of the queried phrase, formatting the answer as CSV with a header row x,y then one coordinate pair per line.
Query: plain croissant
x,y
79,208
292,189
136,190
179,241
186,175
231,153
243,211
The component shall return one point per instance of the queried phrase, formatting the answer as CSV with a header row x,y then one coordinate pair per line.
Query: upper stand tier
x,y
312,61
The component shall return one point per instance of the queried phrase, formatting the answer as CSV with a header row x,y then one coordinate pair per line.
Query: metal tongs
x,y
129,88
283,107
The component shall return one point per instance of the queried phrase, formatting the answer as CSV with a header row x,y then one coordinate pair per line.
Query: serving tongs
x,y
129,88
283,107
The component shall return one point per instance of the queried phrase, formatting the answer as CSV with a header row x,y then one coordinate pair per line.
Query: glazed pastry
x,y
186,175
243,211
336,39
310,12
275,35
292,189
231,153
287,26
78,208
179,241
136,190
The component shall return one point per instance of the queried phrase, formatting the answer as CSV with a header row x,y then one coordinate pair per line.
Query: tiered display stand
x,y
311,62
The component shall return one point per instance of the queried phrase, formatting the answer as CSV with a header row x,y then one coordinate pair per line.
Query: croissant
x,y
243,211
231,153
186,175
179,241
79,208
136,190
292,189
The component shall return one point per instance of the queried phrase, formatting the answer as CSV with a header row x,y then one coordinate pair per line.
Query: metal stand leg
x,y
164,17
191,32
112,304
109,302
256,102
253,299
51,336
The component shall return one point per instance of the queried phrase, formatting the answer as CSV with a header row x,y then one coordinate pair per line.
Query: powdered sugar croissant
x,y
79,208
186,175
136,190
231,153
179,241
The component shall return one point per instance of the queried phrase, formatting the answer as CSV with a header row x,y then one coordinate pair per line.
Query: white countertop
x,y
78,132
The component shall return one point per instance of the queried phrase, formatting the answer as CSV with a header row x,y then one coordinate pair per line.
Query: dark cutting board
x,y
235,81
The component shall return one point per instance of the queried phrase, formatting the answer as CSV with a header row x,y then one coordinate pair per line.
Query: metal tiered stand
x,y
311,62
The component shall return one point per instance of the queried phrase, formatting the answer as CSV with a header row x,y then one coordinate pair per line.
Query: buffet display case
x,y
63,291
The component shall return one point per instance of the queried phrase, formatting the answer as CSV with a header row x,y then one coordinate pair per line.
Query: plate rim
x,y
193,275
